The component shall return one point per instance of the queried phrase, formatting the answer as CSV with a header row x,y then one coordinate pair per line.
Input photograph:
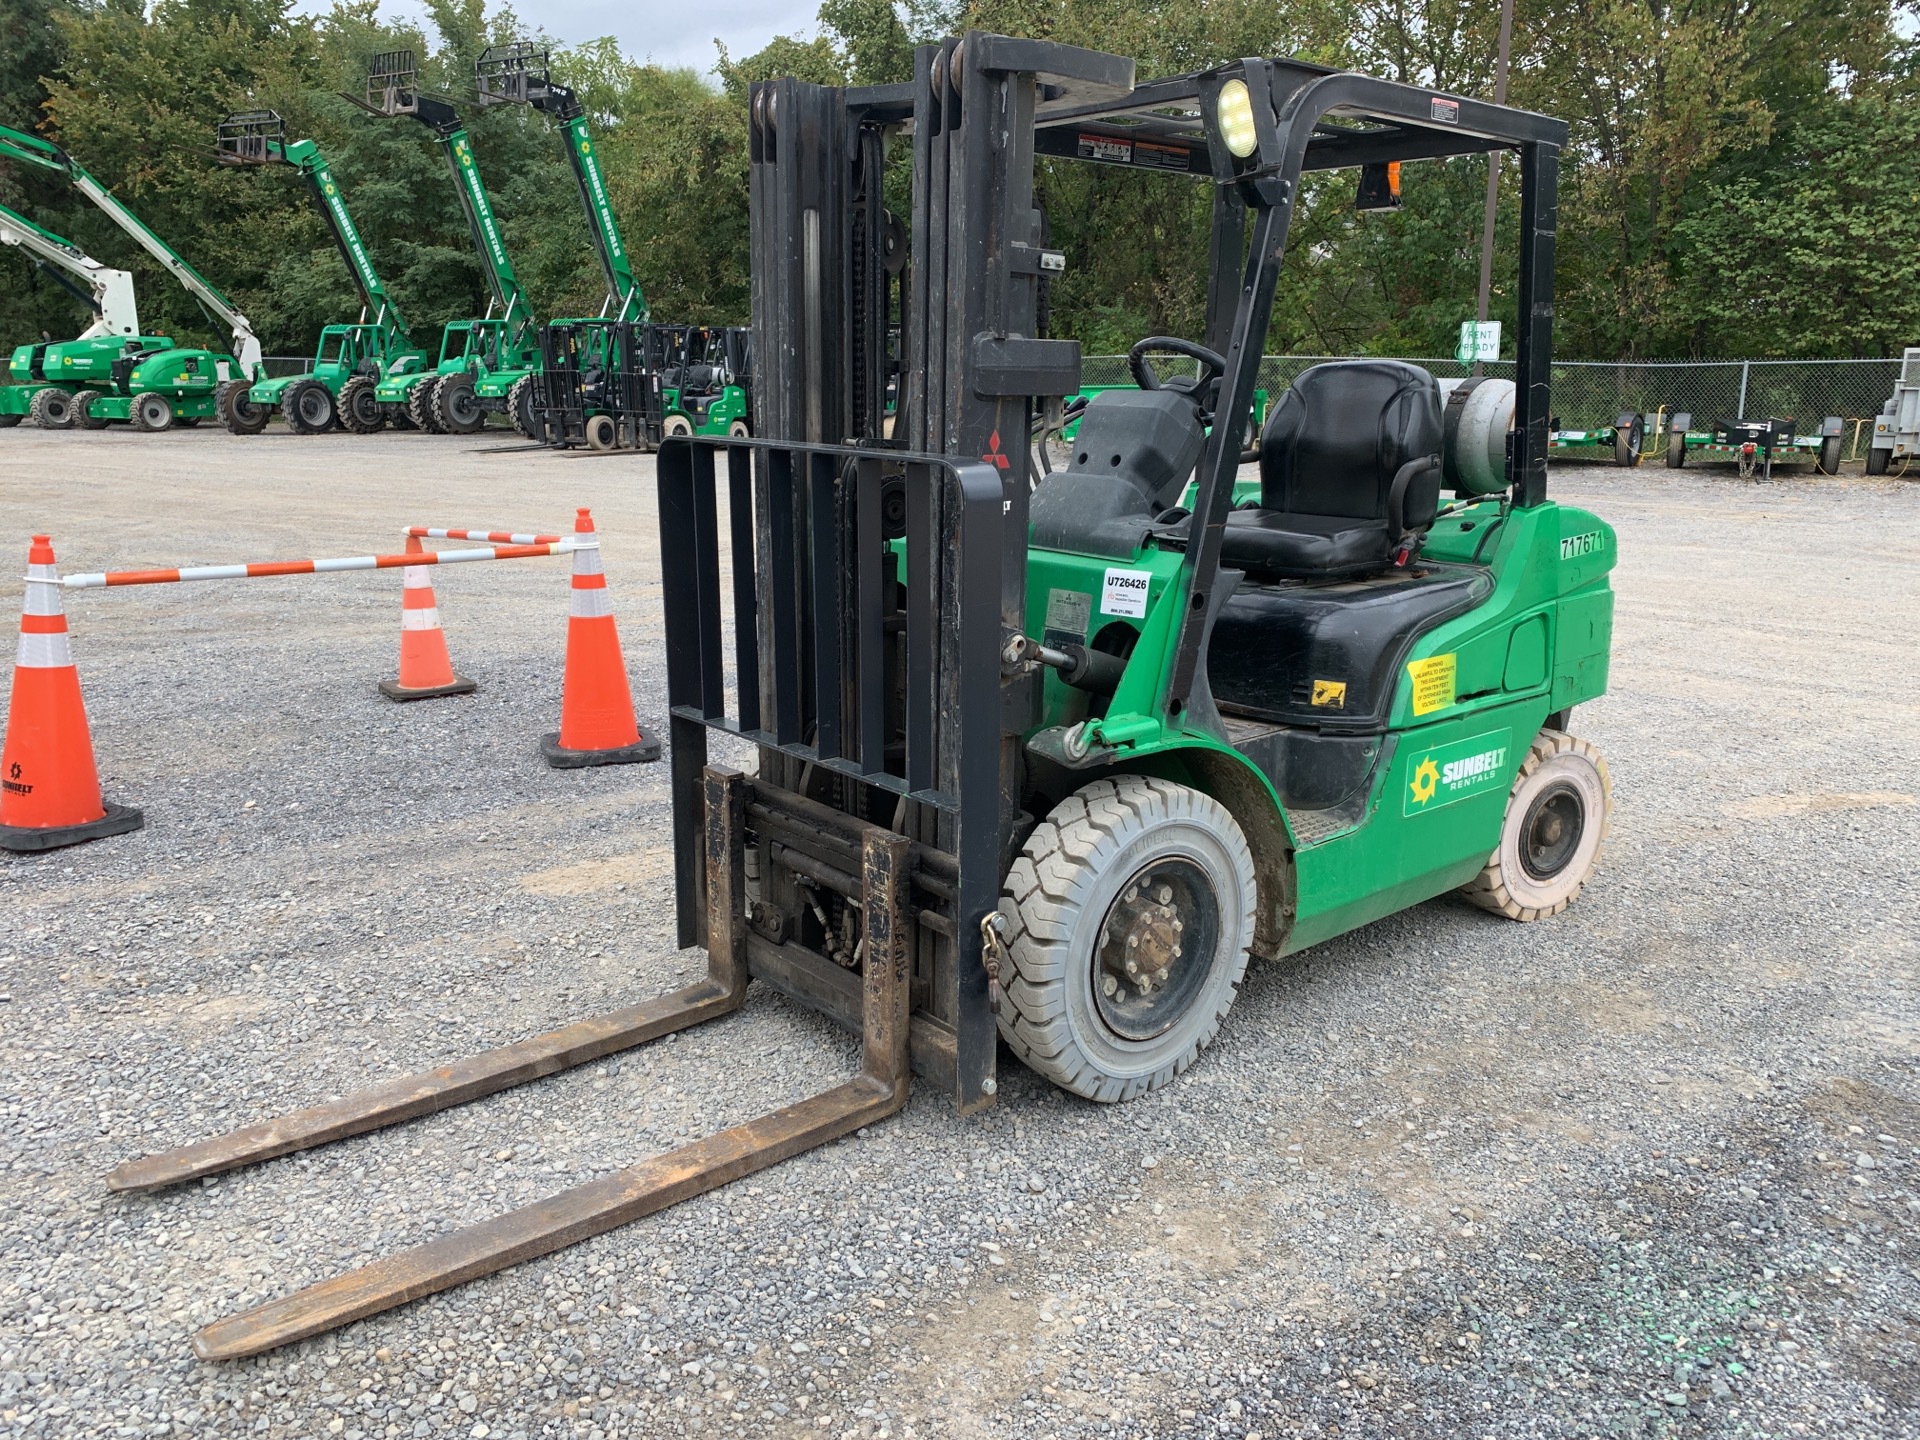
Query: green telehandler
x,y
151,387
486,365
43,375
615,380
350,358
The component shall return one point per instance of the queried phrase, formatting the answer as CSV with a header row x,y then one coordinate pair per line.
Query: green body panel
x,y
18,399
76,363
186,406
1583,445
483,349
1537,644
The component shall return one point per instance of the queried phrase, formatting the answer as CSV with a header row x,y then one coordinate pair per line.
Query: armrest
x,y
1397,492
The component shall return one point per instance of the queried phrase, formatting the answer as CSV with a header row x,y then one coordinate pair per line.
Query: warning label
x,y
1124,592
1103,147
1161,157
1331,694
1432,682
1068,612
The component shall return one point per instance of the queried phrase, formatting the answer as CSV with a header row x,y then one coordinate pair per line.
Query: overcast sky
x,y
666,33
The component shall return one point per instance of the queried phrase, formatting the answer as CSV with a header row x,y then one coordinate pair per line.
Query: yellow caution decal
x,y
1330,693
1433,680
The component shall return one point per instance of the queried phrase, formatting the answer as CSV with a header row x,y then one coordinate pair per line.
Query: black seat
x,y
1349,470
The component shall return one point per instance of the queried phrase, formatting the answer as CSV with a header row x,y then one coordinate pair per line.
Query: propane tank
x,y
1476,417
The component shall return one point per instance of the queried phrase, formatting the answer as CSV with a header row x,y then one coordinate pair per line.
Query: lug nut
x,y
1161,978
1133,942
1108,985
1133,892
1163,894
1133,967
1178,926
1176,952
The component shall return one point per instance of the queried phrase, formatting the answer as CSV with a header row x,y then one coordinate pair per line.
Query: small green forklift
x,y
1048,763
486,365
43,375
351,358
151,383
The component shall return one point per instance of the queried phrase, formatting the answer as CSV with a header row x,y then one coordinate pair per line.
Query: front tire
x,y
51,409
1557,816
233,402
520,406
1879,459
83,410
602,433
1132,907
676,425
360,409
309,409
455,407
152,413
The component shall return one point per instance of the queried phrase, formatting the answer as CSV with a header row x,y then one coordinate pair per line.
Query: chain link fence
x,y
1592,394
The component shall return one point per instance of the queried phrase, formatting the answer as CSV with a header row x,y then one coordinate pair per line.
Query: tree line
x,y
1740,178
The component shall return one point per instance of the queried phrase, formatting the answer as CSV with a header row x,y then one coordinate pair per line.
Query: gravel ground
x,y
1646,1169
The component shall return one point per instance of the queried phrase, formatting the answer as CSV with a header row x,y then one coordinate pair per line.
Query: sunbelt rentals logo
x,y
1439,776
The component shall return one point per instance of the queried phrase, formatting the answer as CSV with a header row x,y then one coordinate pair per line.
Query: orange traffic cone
x,y
49,788
596,706
426,670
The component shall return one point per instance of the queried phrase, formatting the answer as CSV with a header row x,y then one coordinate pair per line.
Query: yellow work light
x,y
1235,109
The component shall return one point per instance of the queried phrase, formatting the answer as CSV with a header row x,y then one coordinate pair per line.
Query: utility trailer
x,y
150,385
44,375
1046,763
1896,429
486,364
1755,446
1617,444
350,359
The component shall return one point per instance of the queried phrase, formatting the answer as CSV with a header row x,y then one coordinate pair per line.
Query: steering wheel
x,y
1214,365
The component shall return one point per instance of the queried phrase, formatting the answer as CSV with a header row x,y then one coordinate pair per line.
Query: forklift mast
x,y
393,89
32,150
259,137
521,73
107,292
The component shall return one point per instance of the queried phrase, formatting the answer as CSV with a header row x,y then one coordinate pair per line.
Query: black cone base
x,y
394,690
646,750
27,839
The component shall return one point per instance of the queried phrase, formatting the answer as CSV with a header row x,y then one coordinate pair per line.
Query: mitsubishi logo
x,y
995,456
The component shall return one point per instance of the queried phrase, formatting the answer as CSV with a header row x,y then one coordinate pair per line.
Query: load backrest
x,y
1342,432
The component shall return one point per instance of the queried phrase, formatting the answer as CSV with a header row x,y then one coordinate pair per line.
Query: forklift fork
x,y
879,1090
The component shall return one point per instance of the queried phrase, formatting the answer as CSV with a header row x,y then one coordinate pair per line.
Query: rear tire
x,y
360,409
1676,450
1100,883
1878,460
520,406
83,410
1831,449
233,402
738,430
420,406
152,412
1626,445
308,408
7,422
51,409
1557,817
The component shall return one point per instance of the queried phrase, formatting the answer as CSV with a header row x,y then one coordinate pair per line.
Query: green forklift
x,y
150,386
43,375
1047,764
486,365
351,358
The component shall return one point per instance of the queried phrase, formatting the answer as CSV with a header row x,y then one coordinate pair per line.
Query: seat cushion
x,y
1272,542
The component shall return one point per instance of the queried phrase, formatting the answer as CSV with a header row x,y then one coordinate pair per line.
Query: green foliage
x,y
1738,180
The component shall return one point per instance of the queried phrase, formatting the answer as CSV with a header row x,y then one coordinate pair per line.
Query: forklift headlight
x,y
1234,109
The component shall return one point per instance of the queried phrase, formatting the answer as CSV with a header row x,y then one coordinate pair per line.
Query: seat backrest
x,y
1342,431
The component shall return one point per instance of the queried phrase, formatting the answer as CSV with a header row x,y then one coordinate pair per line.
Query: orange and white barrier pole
x,y
267,569
497,537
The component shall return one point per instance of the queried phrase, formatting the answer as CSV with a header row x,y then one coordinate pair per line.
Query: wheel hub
x,y
1551,833
1152,948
